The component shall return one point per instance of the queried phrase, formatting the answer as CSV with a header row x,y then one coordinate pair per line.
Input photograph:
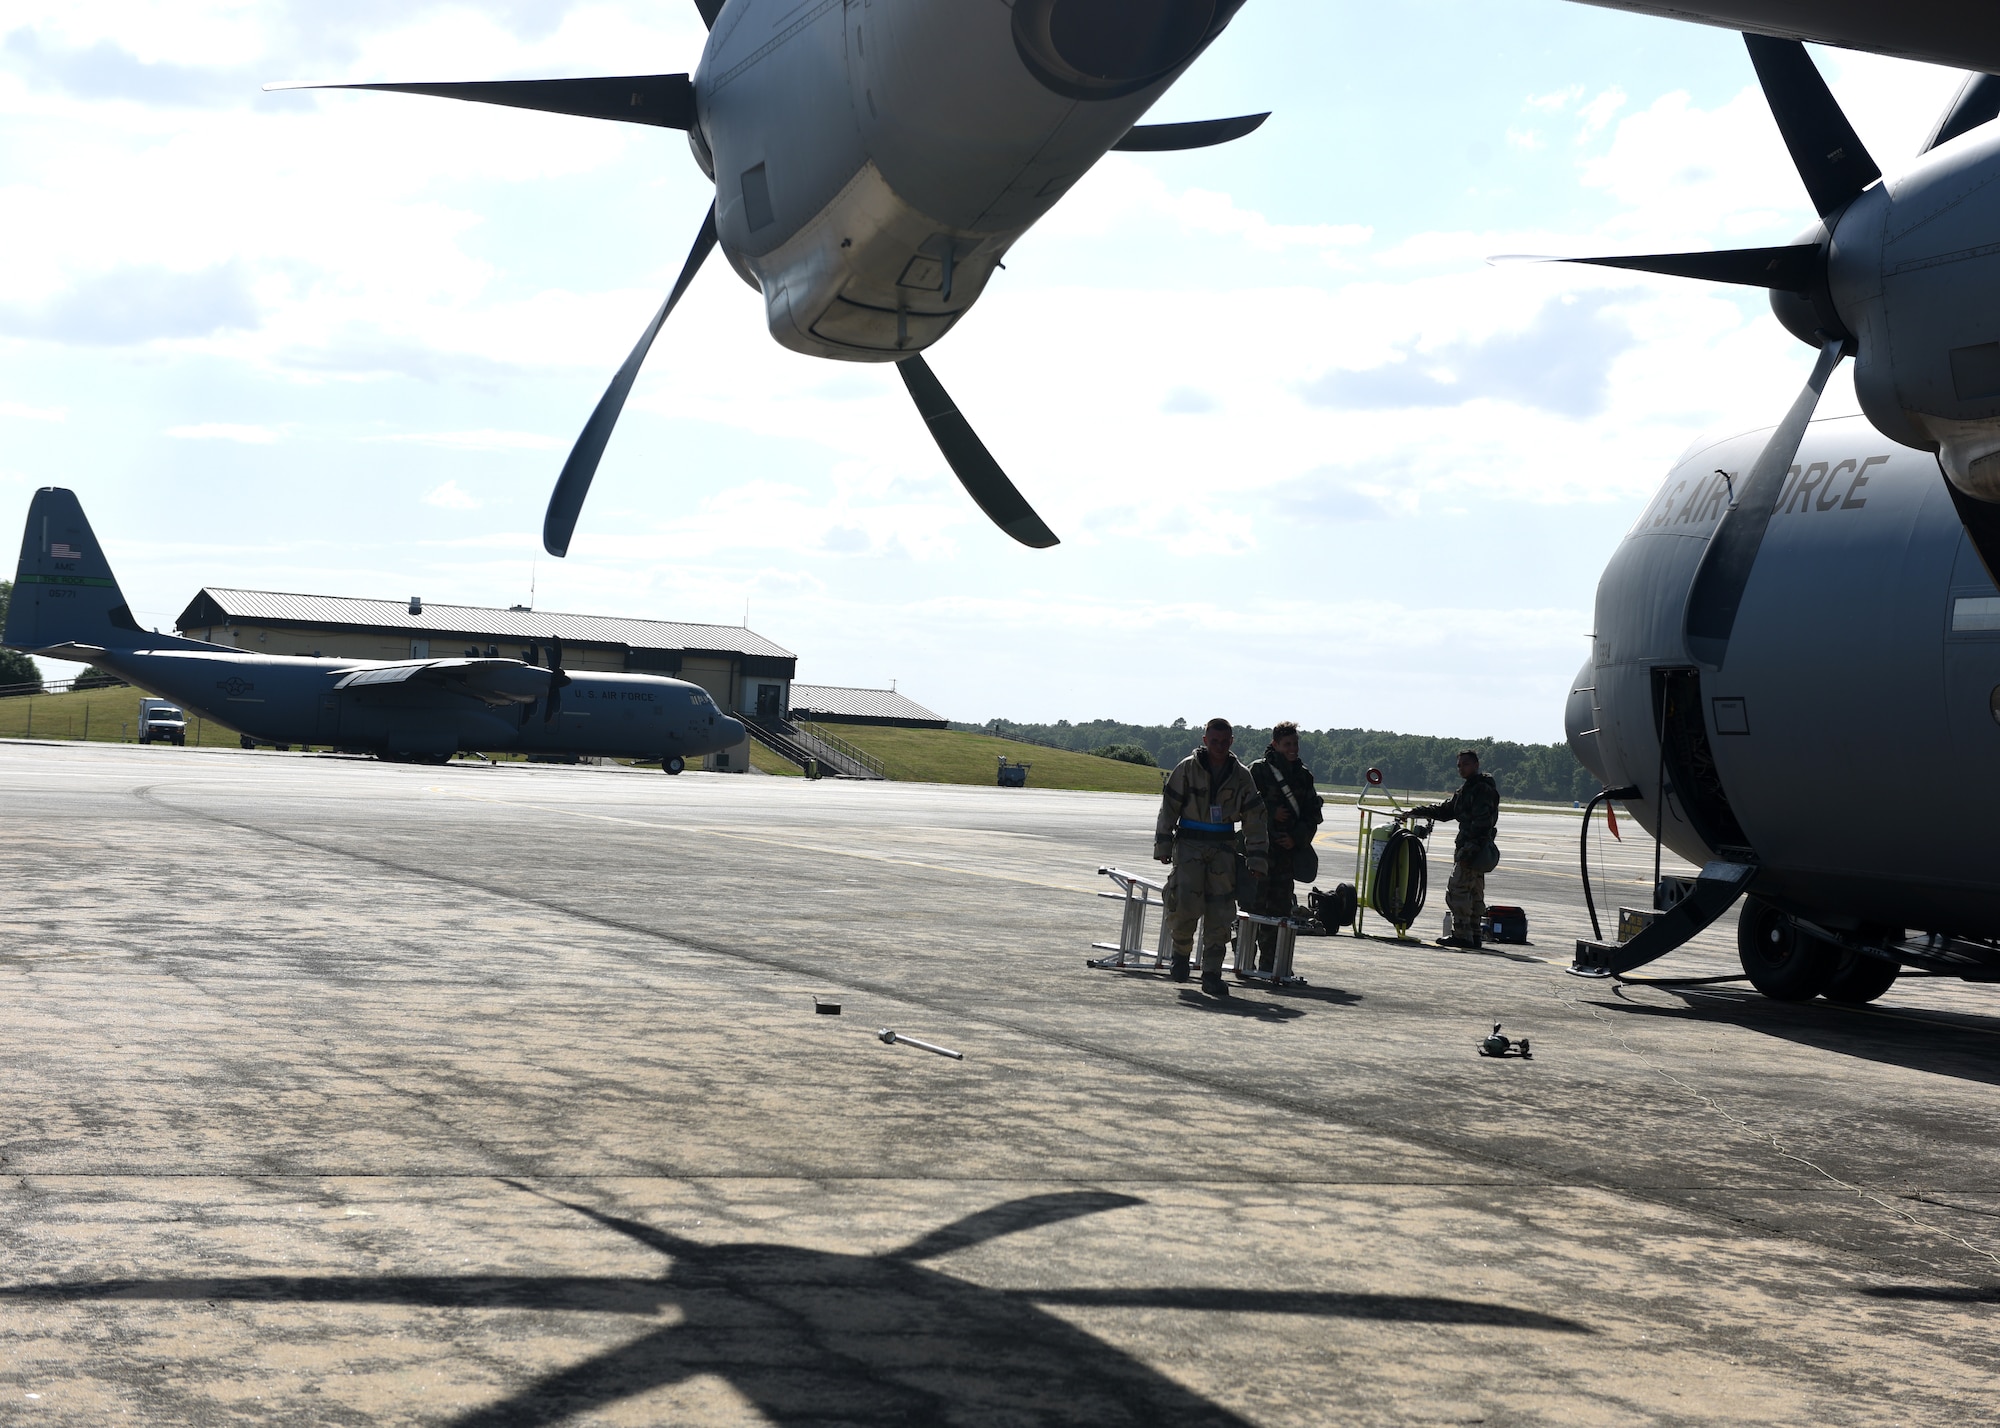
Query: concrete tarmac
x,y
340,1092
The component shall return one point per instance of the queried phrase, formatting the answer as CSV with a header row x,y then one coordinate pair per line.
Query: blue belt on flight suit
x,y
1205,832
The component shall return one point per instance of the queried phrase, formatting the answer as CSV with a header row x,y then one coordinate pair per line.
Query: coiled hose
x,y
1401,878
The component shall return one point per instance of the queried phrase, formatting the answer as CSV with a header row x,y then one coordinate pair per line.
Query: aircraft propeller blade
x,y
709,10
1825,149
1977,102
969,459
566,502
552,703
1724,572
1164,138
1793,268
665,100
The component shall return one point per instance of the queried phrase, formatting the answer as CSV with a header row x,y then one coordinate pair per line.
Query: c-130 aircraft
x,y
1795,673
67,605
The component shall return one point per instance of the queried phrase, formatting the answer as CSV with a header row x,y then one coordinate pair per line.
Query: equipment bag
x,y
1486,859
1305,863
1506,924
1333,910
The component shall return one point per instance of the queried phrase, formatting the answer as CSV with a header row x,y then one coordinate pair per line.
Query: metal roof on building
x,y
215,606
883,704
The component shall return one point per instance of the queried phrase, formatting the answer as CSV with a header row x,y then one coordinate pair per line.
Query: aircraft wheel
x,y
1858,980
248,742
1782,962
675,764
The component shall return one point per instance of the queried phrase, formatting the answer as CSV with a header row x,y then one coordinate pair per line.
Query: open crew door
x,y
1691,775
1692,787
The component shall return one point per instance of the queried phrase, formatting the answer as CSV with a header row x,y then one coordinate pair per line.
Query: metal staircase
x,y
793,742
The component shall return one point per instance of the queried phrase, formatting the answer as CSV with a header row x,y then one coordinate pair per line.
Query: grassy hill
x,y
101,715
959,756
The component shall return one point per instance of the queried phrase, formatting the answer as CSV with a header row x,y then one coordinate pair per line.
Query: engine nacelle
x,y
868,237
1914,272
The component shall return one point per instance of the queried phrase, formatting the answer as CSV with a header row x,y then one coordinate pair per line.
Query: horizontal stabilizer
x,y
1201,134
1793,268
663,100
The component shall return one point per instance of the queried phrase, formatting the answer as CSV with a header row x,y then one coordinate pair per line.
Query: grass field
x,y
956,756
100,715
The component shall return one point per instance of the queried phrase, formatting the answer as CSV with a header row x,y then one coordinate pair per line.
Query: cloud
x,y
1600,111
130,305
1188,401
452,497
486,439
1329,497
1555,101
225,431
1560,363
106,71
24,412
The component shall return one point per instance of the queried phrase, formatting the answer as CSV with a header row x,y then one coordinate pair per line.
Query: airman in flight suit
x,y
1206,797
1476,809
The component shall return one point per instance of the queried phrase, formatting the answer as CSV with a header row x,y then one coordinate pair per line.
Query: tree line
x,y
1340,757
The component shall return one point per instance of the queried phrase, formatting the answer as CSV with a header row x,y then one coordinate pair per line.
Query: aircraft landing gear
x,y
1858,979
674,765
1783,962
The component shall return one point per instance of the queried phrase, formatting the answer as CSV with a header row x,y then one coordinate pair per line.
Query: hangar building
x,y
738,667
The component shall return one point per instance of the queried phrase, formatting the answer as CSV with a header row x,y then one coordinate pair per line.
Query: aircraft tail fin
x,y
64,591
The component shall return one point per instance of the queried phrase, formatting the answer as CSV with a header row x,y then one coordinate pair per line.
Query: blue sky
x,y
1311,456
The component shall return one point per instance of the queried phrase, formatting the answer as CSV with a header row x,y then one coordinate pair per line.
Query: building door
x,y
770,701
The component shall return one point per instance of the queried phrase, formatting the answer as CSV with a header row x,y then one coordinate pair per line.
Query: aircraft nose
x,y
732,730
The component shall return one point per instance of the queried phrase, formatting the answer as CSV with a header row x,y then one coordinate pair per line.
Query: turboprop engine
x,y
873,163
1902,275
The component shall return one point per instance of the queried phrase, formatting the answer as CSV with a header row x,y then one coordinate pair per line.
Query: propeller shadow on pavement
x,y
816,1336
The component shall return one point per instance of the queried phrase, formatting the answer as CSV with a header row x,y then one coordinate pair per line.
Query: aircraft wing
x,y
497,681
1964,34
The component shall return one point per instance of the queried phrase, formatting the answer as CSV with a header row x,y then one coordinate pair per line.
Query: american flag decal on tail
x,y
65,552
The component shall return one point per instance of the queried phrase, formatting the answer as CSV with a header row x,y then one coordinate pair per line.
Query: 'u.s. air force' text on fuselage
x,y
1815,486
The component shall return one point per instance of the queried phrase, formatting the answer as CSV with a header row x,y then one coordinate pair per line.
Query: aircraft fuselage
x,y
281,699
1850,742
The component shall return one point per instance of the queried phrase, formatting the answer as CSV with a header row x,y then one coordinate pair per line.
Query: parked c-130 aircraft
x,y
1795,674
66,605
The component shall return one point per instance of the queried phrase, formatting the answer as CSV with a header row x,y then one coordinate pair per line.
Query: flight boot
x,y
1179,970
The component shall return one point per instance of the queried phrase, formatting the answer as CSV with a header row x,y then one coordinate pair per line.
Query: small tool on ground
x,y
824,1007
1498,1045
890,1038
